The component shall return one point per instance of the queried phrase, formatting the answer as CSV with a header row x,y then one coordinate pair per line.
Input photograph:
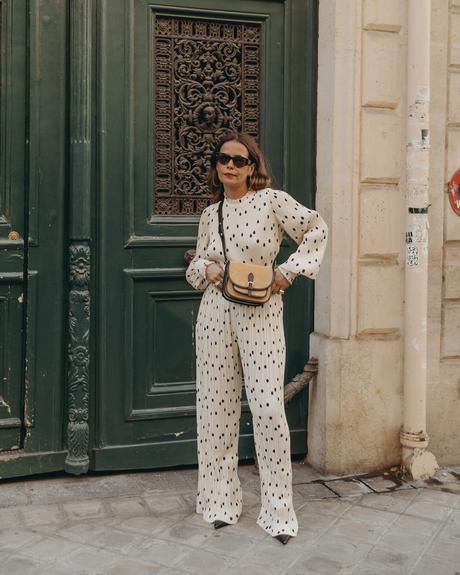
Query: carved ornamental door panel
x,y
170,80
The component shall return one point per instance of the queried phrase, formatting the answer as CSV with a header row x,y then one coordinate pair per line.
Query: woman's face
x,y
229,174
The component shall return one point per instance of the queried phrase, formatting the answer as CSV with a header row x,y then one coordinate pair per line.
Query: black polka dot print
x,y
254,227
235,341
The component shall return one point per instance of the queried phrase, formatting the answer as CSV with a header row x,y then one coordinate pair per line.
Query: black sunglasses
x,y
238,161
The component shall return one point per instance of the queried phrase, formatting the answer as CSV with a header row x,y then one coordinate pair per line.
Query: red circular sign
x,y
454,192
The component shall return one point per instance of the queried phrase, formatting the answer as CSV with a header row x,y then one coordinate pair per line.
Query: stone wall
x,y
356,404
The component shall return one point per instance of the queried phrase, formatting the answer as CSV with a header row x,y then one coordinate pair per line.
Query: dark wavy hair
x,y
260,178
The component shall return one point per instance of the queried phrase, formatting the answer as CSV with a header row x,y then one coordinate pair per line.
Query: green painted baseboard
x,y
21,464
170,454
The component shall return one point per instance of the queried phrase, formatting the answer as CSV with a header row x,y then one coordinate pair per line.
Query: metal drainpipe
x,y
417,461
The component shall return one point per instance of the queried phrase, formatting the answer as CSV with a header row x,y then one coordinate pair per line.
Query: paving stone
x,y
67,488
313,491
190,500
432,566
147,525
370,568
356,530
395,502
4,555
444,499
246,568
304,473
391,559
247,527
160,503
314,523
115,539
404,541
89,560
298,500
131,567
450,532
317,566
12,495
128,507
11,517
410,524
42,515
249,478
49,549
84,509
15,539
173,481
250,498
446,550
382,484
446,476
166,553
452,488
335,507
23,566
203,562
272,554
368,515
252,511
230,544
454,517
428,510
46,530
331,554
187,534
81,532
197,518
54,570
348,488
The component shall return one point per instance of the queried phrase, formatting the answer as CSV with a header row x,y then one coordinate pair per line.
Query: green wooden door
x,y
171,77
12,222
32,245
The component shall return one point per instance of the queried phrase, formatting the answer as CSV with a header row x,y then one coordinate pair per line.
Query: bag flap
x,y
239,272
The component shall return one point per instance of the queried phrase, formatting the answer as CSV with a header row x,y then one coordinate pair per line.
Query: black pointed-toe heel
x,y
218,524
284,538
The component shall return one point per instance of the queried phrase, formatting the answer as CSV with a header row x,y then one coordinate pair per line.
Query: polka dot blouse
x,y
254,226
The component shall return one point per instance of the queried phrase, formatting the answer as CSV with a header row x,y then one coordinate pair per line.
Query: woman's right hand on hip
x,y
215,274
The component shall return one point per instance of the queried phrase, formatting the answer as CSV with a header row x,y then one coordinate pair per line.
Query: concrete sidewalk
x,y
145,523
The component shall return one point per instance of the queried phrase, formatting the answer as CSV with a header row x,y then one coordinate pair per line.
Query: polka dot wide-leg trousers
x,y
231,340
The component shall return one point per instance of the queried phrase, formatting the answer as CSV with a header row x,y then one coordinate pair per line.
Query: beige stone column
x,y
355,411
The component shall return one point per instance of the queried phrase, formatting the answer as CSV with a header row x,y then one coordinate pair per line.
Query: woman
x,y
235,340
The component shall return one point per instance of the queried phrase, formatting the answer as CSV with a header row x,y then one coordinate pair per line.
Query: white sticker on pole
x,y
411,255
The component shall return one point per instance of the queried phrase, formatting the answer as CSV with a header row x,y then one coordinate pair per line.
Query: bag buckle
x,y
250,282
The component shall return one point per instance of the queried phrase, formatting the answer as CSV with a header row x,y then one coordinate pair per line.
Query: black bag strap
x,y
221,228
221,231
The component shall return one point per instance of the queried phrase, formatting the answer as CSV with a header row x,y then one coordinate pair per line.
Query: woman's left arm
x,y
307,228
